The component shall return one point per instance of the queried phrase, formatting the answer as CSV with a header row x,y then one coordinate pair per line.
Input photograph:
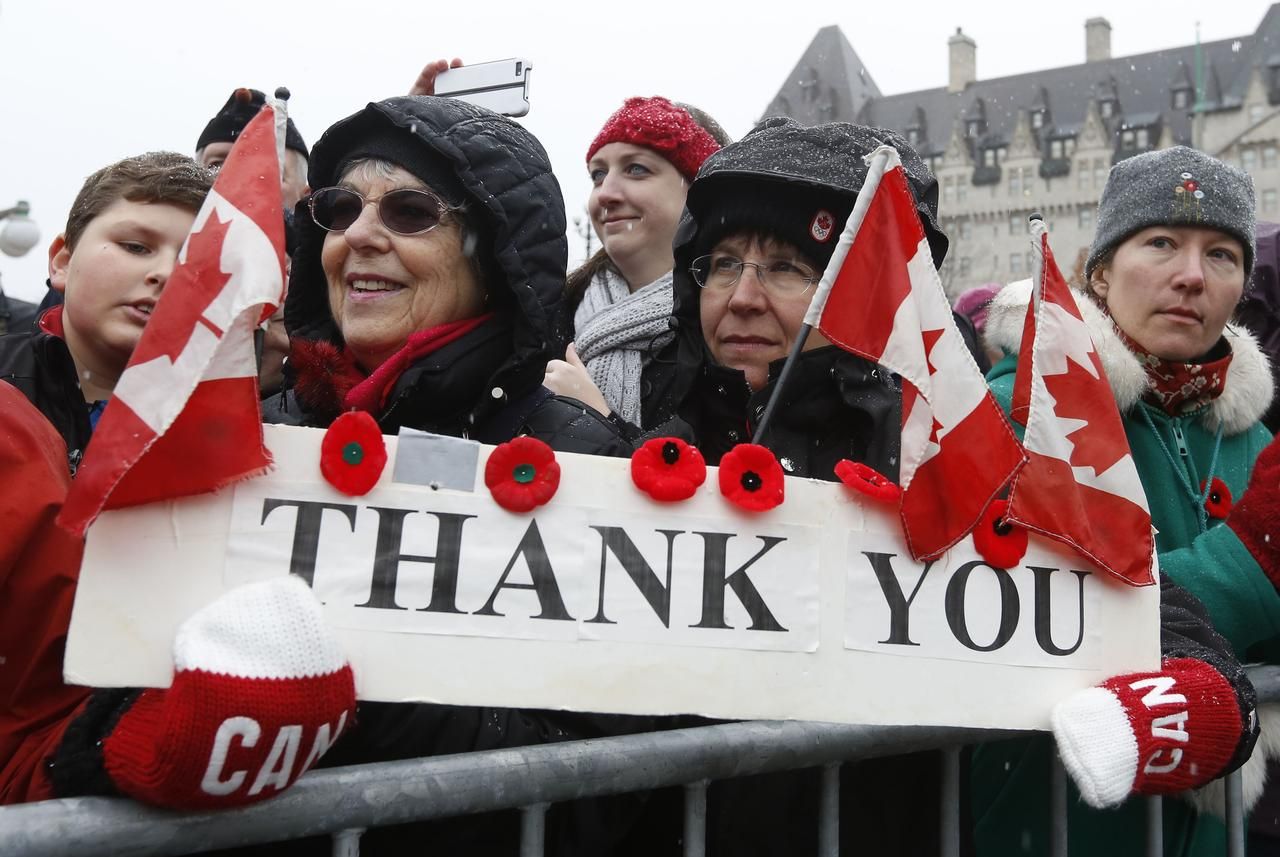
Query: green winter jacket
x,y
1009,780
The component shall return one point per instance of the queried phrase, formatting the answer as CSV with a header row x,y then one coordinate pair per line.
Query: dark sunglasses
x,y
406,211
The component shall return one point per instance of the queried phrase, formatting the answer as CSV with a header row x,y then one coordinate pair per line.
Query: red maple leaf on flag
x,y
198,281
1073,391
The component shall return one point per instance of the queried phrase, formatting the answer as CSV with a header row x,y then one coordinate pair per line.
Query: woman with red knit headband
x,y
618,304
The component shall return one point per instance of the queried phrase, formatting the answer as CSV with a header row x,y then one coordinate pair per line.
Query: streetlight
x,y
20,233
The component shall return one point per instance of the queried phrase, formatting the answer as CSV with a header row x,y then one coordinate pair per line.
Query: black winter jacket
x,y
487,385
40,365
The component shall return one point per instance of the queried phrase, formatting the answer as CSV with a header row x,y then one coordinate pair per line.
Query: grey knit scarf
x,y
617,331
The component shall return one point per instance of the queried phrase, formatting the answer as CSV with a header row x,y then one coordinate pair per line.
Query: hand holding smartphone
x,y
501,86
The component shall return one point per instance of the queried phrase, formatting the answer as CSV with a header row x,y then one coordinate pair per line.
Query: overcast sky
x,y
87,83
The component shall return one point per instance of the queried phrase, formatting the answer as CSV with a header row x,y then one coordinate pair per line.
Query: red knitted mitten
x,y
1151,733
260,691
1256,517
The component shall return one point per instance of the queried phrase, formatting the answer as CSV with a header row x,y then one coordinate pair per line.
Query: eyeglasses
x,y
405,211
780,278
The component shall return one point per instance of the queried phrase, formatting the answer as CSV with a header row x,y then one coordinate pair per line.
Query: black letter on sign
x,y
306,532
899,607
387,559
544,579
714,582
1044,633
955,606
658,595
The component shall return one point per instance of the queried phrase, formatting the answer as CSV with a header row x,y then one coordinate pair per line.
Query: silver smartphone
x,y
501,86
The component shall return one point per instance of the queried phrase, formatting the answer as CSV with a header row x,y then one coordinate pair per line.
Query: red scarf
x,y
1178,388
371,393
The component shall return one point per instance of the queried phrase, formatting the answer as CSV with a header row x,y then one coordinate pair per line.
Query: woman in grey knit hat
x,y
1172,256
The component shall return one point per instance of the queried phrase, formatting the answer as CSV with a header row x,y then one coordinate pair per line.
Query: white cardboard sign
x,y
604,600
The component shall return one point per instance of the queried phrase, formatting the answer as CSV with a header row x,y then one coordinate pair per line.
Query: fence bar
x,y
1155,826
1058,809
375,795
346,843
950,809
829,812
1232,784
695,819
533,830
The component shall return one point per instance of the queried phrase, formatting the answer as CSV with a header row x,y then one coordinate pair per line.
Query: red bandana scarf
x,y
1178,388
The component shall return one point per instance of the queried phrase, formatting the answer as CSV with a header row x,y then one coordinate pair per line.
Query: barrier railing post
x,y
533,829
1155,826
950,808
695,819
829,812
1232,785
346,843
1058,809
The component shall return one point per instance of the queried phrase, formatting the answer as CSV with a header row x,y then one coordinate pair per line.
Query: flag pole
x,y
877,163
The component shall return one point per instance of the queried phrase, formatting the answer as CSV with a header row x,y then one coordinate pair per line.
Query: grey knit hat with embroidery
x,y
1174,187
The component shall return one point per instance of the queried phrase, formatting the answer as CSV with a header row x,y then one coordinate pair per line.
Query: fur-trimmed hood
x,y
1244,399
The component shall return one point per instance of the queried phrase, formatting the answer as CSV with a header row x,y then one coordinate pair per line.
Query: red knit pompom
x,y
668,469
522,474
751,478
1218,502
866,480
999,543
353,453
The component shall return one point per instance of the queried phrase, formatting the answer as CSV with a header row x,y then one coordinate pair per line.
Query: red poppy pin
x,y
751,478
999,543
861,478
668,469
353,453
1217,501
522,474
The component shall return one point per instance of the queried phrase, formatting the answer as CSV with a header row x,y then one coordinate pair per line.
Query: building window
x,y
1015,224
1181,99
1085,218
1070,146
1015,182
1249,159
1037,119
964,266
966,229
1099,172
1126,139
1269,200
1142,137
1106,108
948,189
1082,174
1055,149
962,188
913,136
1015,263
988,157
1269,157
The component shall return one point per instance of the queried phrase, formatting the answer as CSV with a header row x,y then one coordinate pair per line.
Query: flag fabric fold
x,y
881,298
1080,485
184,417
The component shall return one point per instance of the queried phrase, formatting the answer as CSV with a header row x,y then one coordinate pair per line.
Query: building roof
x,y
830,83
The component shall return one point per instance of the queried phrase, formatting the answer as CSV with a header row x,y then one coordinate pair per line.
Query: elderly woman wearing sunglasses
x,y
430,259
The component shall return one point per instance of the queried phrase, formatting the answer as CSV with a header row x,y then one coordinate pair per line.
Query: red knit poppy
x,y
1218,502
999,543
668,469
751,478
522,474
353,453
860,477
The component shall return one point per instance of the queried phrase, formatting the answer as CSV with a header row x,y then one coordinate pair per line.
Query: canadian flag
x,y
1080,485
184,417
881,298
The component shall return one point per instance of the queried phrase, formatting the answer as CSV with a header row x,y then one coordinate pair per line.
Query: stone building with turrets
x,y
1045,140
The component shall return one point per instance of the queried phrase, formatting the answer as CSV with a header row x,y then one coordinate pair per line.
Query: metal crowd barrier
x,y
344,802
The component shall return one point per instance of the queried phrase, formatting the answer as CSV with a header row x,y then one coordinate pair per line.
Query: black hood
x,y
510,193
